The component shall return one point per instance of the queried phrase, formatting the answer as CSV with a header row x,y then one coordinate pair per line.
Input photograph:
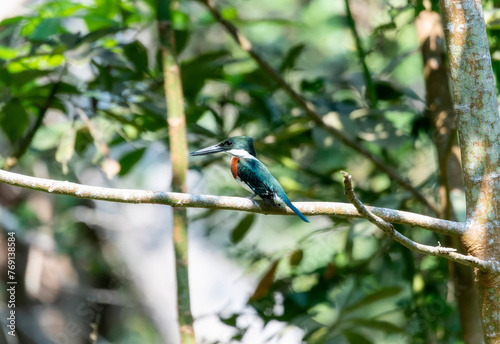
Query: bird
x,y
250,173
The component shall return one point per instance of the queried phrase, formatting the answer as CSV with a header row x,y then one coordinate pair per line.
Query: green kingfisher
x,y
250,172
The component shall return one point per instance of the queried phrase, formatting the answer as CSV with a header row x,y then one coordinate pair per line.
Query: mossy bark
x,y
476,107
442,117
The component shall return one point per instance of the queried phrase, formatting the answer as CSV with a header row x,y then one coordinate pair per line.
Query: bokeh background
x,y
89,73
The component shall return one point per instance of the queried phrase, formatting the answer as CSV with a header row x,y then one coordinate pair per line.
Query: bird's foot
x,y
251,197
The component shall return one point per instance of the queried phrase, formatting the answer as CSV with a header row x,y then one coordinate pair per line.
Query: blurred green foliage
x,y
339,281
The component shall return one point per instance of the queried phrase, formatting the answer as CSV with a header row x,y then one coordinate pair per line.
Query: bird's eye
x,y
229,143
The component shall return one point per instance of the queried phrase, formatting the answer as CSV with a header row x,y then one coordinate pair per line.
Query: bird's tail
x,y
295,210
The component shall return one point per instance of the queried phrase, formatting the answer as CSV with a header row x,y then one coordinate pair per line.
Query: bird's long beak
x,y
208,150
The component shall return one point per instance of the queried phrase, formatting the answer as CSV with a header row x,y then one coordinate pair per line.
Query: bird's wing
x,y
258,178
262,182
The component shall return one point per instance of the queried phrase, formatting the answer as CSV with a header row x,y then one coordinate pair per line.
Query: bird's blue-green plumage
x,y
263,183
251,172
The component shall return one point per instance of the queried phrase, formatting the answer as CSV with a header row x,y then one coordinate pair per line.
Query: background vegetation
x,y
82,99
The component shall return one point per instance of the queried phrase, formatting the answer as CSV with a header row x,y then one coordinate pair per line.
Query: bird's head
x,y
240,146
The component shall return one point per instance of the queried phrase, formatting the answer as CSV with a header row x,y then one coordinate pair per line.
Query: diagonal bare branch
x,y
184,200
370,87
446,252
308,107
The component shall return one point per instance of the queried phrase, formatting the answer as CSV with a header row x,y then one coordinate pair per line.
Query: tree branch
x,y
184,200
308,107
446,252
370,88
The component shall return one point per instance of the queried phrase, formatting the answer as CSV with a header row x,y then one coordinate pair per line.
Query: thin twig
x,y
370,88
446,252
109,165
309,108
96,135
94,335
174,199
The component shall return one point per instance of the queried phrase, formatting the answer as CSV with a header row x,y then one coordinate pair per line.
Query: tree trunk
x,y
476,107
442,117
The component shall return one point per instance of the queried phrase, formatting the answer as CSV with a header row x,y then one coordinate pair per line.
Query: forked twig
x,y
388,228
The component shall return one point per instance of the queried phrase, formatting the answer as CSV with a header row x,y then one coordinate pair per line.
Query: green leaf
x,y
137,55
66,148
7,53
46,28
356,338
387,91
100,33
10,21
151,3
67,88
296,257
384,326
97,22
180,20
47,137
374,297
229,13
242,228
314,86
60,8
69,40
291,57
265,283
384,27
230,321
27,76
128,161
197,71
411,94
181,40
105,77
14,120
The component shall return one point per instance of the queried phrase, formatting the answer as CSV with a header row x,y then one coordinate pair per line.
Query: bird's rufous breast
x,y
234,166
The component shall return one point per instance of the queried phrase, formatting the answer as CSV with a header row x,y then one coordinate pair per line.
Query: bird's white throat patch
x,y
241,153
